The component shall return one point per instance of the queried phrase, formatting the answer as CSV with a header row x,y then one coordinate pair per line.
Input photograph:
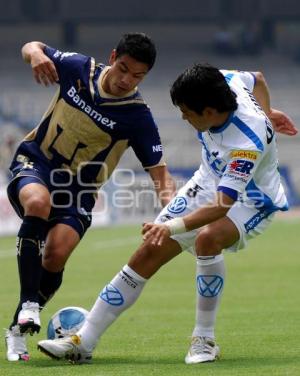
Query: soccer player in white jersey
x,y
96,114
231,199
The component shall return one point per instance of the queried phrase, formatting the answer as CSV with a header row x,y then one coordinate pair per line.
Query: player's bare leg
x,y
35,200
116,297
61,241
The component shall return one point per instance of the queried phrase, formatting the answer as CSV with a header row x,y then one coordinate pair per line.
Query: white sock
x,y
117,296
210,281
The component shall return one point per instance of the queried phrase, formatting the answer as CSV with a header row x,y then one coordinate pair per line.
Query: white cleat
x,y
29,318
69,348
203,349
16,345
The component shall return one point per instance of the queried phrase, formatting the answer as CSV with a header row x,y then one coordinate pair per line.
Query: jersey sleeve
x,y
239,170
146,141
248,79
67,63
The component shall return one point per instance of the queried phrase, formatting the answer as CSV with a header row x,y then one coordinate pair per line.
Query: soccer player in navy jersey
x,y
96,114
231,199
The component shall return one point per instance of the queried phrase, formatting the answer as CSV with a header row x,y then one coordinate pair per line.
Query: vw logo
x,y
112,295
209,285
177,205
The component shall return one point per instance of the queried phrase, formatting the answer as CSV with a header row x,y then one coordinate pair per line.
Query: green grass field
x,y
258,324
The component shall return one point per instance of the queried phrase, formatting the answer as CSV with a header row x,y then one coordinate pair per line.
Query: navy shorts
x,y
65,208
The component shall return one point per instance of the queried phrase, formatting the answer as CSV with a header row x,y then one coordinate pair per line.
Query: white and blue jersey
x,y
240,157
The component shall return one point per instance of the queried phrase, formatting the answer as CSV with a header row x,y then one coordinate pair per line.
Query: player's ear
x,y
209,111
112,57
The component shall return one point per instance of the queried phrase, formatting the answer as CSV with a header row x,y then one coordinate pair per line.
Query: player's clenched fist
x,y
43,68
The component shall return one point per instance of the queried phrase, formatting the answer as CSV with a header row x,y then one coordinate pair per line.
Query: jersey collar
x,y
222,127
105,95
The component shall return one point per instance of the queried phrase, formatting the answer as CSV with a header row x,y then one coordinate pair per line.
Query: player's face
x,y
124,75
201,122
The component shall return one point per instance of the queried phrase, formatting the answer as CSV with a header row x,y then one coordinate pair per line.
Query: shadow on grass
x,y
246,363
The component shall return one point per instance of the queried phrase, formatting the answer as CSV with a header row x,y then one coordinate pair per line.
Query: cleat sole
x,y
44,351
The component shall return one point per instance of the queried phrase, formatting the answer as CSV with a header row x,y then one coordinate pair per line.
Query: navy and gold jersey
x,y
85,130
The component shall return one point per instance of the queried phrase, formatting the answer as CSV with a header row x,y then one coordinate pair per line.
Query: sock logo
x,y
209,285
127,279
18,245
111,295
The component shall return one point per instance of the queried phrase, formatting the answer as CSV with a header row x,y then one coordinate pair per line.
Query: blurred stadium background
x,y
259,35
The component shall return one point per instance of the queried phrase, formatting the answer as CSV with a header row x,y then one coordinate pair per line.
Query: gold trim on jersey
x,y
31,135
161,163
130,101
92,72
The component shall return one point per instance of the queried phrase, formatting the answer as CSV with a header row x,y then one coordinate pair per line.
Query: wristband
x,y
176,226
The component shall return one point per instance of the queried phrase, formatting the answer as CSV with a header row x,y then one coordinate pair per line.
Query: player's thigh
x,y
35,199
29,196
28,189
216,236
60,243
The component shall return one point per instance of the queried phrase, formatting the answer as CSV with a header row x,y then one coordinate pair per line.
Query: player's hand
x,y
282,123
43,68
155,233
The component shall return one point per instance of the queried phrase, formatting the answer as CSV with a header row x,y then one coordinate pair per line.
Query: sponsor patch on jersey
x,y
239,169
241,166
244,154
63,55
157,148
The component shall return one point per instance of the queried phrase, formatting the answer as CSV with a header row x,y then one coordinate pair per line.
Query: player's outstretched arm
x,y
281,122
157,233
43,68
164,184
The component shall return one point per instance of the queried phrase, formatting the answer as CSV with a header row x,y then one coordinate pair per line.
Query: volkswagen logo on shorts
x,y
177,205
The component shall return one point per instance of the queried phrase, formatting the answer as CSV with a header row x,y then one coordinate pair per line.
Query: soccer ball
x,y
65,322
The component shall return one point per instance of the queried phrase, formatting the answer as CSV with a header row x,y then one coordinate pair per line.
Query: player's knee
x,y
207,243
38,205
54,259
147,257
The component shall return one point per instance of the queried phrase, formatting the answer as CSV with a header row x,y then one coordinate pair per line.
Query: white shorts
x,y
249,220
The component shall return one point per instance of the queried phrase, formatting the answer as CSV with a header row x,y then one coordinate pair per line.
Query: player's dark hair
x,y
203,86
139,46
